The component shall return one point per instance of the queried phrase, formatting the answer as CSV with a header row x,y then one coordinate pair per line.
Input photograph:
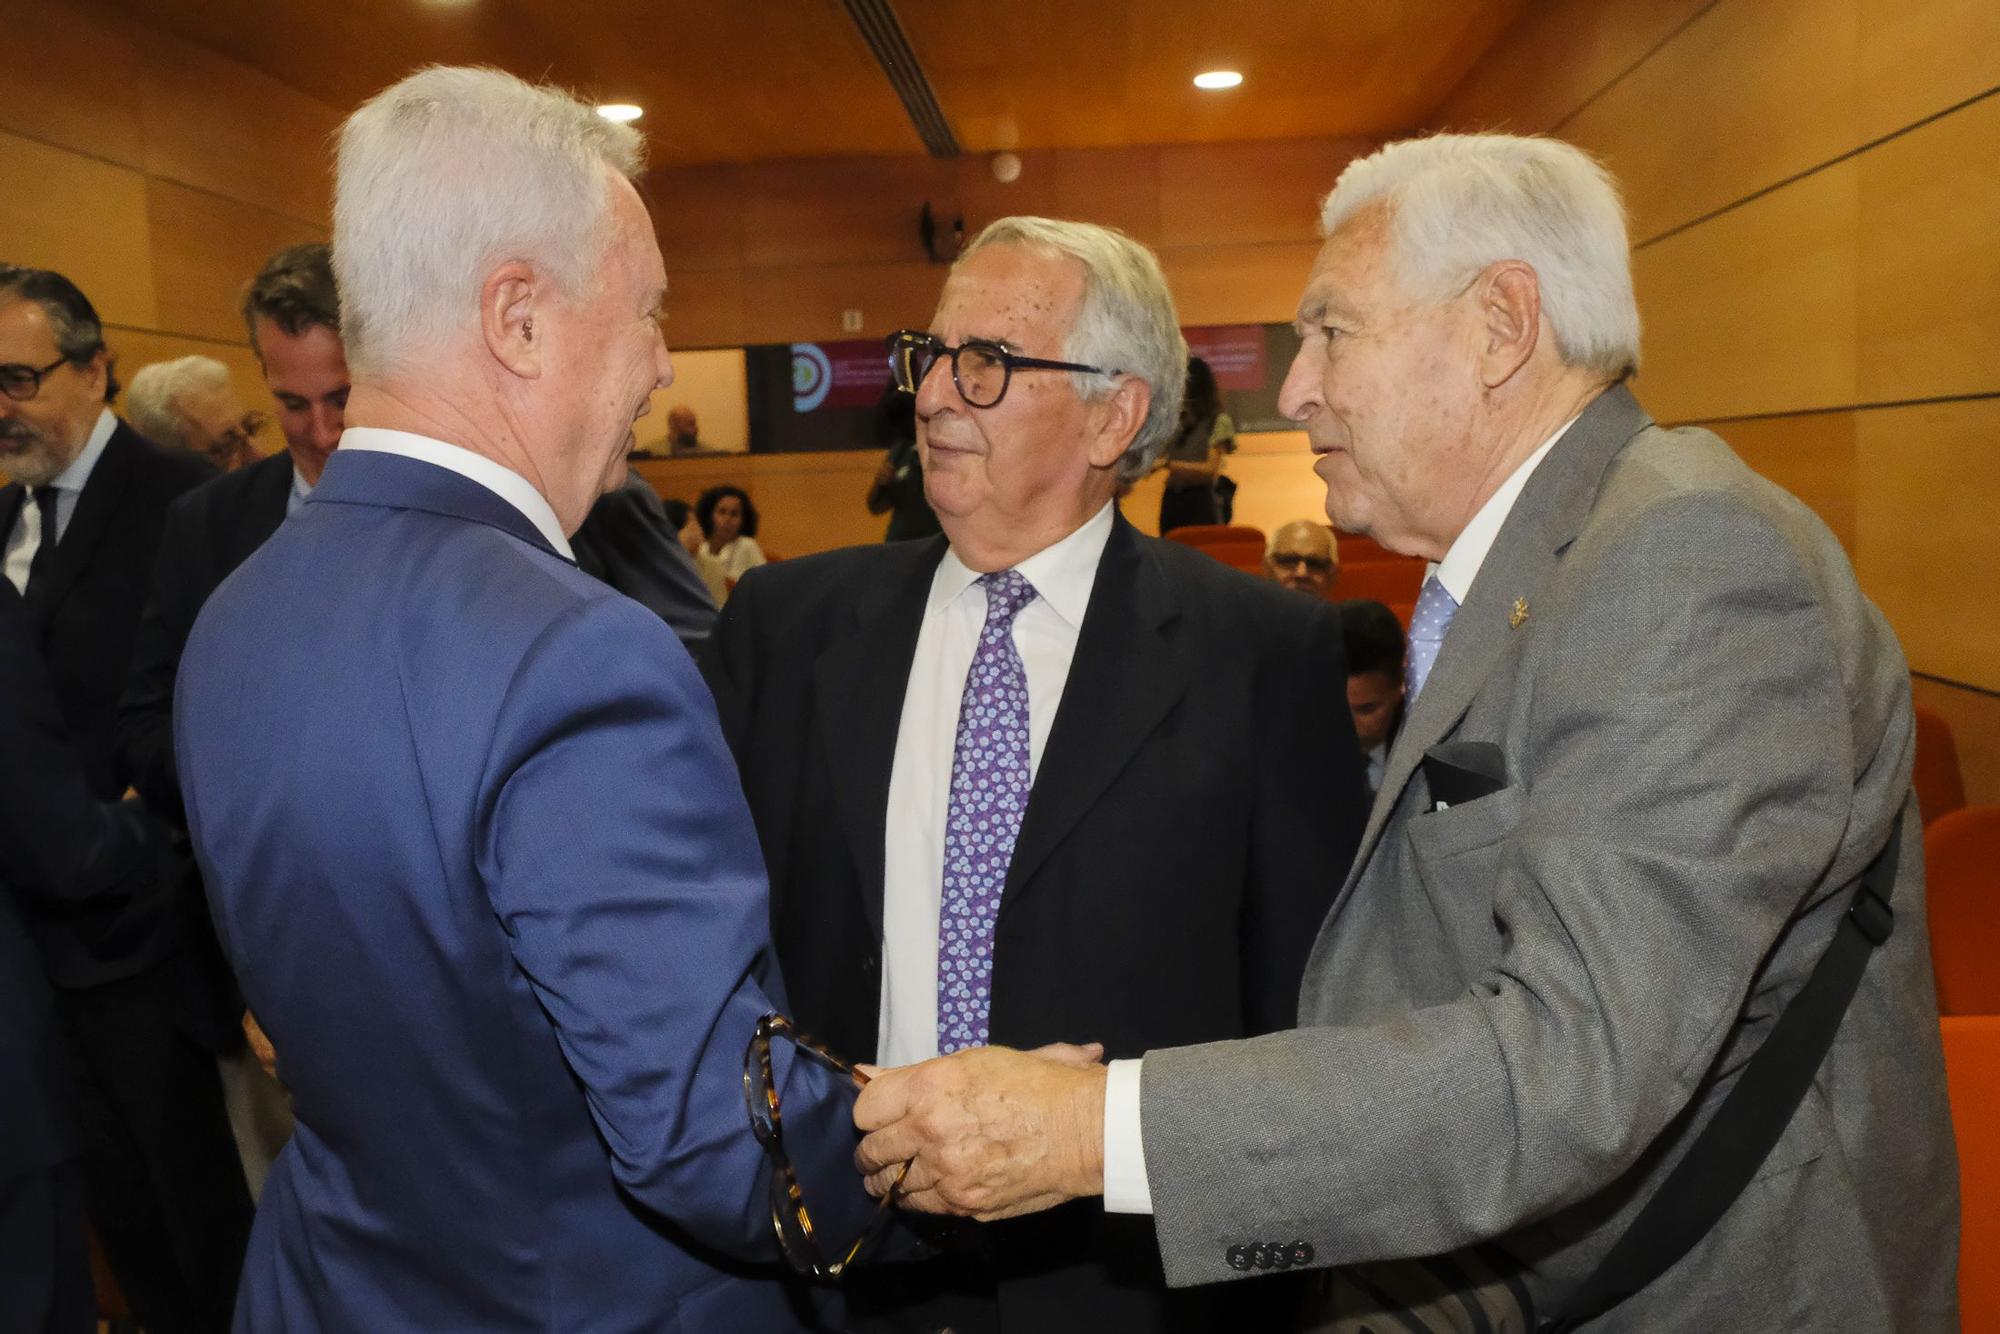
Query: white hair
x,y
449,173
1460,202
153,398
1126,322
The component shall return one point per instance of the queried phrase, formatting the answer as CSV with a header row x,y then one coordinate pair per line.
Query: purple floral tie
x,y
989,794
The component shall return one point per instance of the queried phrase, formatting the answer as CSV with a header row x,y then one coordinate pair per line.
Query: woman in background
x,y
1193,458
729,536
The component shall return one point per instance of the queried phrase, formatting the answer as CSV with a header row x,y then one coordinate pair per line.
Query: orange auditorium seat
x,y
1355,548
1391,581
1972,1073
1940,787
1404,611
1212,534
1962,874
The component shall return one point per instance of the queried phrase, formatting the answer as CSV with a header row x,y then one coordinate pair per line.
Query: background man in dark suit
x,y
1373,638
293,318
57,842
1042,779
140,1007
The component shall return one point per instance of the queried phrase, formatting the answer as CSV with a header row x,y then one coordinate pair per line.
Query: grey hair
x,y
449,173
1126,322
153,399
1460,202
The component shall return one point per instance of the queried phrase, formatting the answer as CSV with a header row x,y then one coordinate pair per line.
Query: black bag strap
x,y
1746,1127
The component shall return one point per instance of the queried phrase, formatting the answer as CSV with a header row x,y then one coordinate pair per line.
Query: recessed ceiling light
x,y
619,111
1218,78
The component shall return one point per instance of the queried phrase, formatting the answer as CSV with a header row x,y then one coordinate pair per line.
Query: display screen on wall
x,y
822,396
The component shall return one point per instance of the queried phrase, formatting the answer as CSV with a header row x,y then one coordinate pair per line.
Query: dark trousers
x,y
44,1254
162,1178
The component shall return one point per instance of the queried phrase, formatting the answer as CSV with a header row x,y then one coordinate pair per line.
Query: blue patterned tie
x,y
1432,617
989,794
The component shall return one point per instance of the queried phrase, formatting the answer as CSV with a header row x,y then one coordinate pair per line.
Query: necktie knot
x,y
1007,591
45,499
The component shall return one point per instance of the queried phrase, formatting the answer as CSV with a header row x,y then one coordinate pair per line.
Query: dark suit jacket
x,y
628,542
57,842
84,623
209,532
1183,840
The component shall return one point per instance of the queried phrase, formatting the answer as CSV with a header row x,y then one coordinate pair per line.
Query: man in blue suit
x,y
490,885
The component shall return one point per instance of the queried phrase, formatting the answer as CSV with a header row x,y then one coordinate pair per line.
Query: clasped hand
x,y
989,1132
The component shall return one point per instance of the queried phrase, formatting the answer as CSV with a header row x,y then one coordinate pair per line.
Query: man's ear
x,y
1509,311
507,305
1120,417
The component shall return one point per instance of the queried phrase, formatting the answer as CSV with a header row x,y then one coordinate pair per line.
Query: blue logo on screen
x,y
812,376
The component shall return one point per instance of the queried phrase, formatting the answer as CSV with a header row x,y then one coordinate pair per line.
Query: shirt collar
x,y
1461,563
73,477
1062,574
501,480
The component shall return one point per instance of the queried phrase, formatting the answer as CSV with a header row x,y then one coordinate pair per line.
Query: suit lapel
x,y
1129,671
95,505
1545,519
270,496
859,680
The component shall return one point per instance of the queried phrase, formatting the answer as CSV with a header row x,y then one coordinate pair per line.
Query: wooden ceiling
x,y
733,81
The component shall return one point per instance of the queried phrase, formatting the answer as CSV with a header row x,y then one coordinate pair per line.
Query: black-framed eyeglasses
x,y
22,383
797,1237
981,368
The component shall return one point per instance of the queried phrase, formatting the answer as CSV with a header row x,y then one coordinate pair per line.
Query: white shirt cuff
x,y
1126,1190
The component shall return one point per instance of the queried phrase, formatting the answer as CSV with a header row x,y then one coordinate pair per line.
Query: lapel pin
x,y
1519,616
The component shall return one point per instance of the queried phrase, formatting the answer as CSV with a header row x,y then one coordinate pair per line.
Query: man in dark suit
x,y
140,1008
628,542
1373,638
57,843
1041,779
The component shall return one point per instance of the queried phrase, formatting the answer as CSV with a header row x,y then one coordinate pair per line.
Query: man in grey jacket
x,y
1655,735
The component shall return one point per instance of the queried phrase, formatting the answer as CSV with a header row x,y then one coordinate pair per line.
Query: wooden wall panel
x,y
712,384
205,250
1238,284
1929,261
982,199
698,217
82,217
1814,457
72,79
838,211
1248,194
705,308
790,305
1560,55
1929,550
1755,311
218,126
1118,187
1716,113
1921,56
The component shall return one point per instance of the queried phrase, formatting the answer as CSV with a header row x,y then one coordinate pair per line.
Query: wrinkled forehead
x,y
1353,273
26,336
1024,297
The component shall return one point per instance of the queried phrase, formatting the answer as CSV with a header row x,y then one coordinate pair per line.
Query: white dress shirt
x,y
498,478
26,539
920,780
1126,1188
301,488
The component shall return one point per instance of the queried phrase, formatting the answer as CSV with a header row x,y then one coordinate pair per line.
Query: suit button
x,y
1300,1252
1238,1257
871,964
1260,1255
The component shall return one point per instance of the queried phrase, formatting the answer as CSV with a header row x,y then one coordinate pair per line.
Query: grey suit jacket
x,y
1521,1008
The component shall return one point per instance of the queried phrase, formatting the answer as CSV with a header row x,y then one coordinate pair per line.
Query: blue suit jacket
x,y
482,862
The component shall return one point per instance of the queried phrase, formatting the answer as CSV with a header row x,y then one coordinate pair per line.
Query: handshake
x,y
985,1133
